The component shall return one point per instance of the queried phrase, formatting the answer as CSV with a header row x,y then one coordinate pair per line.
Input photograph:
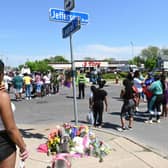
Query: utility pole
x,y
132,49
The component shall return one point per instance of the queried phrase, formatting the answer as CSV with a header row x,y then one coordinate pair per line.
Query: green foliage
x,y
150,63
113,75
56,59
109,59
137,60
89,58
20,66
123,74
108,76
60,59
148,57
40,66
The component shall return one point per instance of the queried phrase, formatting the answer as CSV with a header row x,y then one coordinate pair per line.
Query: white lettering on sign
x,y
60,15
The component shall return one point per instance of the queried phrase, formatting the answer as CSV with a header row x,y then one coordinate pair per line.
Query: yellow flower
x,y
57,139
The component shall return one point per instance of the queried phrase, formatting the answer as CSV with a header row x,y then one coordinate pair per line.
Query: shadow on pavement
x,y
117,98
27,133
115,113
111,125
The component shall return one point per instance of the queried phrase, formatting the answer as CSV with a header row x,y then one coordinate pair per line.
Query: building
x,y
163,62
87,65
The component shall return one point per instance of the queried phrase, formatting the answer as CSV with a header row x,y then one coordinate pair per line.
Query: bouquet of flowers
x,y
75,140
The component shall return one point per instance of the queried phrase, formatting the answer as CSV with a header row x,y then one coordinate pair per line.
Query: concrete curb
x,y
147,148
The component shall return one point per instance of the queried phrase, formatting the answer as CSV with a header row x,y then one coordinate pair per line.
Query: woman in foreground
x,y
10,136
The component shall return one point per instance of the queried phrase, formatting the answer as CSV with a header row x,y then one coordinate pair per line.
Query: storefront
x,y
87,65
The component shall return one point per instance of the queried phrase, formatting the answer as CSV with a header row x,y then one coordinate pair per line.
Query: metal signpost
x,y
68,30
74,20
73,83
60,15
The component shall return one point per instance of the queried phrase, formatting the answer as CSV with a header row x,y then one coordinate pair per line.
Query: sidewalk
x,y
124,152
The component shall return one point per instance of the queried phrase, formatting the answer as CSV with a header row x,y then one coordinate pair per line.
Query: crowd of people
x,y
152,89
30,85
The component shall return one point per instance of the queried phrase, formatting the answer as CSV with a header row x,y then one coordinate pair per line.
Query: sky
x,y
117,29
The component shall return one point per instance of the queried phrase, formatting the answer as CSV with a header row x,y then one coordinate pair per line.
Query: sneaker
x,y
130,128
158,121
99,126
136,109
121,129
27,98
149,121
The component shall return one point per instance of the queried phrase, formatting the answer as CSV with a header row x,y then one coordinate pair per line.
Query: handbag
x,y
90,118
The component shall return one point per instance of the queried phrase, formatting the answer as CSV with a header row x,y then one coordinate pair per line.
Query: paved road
x,y
59,108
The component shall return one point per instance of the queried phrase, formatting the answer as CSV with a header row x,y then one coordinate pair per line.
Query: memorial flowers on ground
x,y
78,141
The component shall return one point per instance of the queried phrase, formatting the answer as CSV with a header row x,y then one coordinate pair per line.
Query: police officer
x,y
81,79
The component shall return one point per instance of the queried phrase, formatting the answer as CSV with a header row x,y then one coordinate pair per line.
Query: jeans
x,y
28,91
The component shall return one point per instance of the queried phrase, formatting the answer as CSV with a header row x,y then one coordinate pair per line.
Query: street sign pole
x,y
73,82
74,19
67,31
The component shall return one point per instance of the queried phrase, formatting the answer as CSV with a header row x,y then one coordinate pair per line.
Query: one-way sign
x,y
69,4
71,27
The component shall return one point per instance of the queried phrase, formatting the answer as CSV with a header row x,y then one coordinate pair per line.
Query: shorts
x,y
7,147
128,107
18,90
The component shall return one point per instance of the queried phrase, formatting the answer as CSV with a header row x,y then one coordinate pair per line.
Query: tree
x,y
89,58
149,57
137,60
59,59
40,66
109,59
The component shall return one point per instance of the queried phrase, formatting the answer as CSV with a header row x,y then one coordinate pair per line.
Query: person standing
x,y
7,80
81,80
55,82
165,96
148,81
38,84
92,91
17,83
27,82
10,136
157,99
47,84
138,84
98,101
128,103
